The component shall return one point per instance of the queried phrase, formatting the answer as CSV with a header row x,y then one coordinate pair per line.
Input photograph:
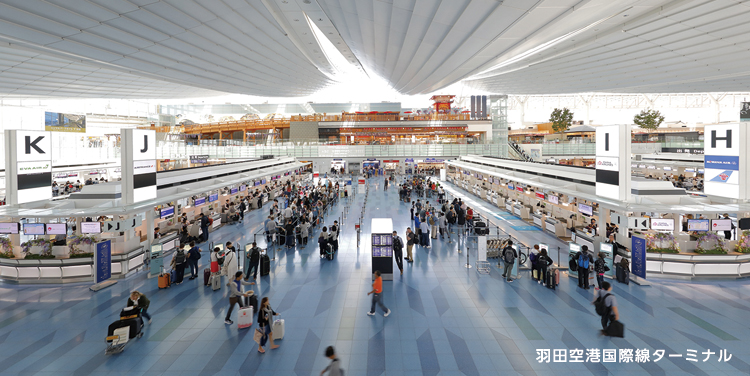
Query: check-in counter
x,y
72,270
554,226
583,238
538,219
509,206
521,211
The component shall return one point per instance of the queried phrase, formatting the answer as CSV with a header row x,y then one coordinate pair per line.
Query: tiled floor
x,y
447,320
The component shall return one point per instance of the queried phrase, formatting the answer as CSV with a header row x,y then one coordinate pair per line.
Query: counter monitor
x,y
91,227
233,191
33,228
553,199
697,225
56,229
167,212
662,224
213,197
721,225
200,201
586,210
9,228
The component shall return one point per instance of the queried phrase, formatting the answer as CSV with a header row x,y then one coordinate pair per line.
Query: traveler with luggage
x,y
377,291
178,265
270,227
334,236
253,261
509,258
543,262
193,255
433,221
606,307
304,231
600,267
236,296
425,235
204,227
333,369
585,261
265,322
289,233
243,207
139,300
398,247
323,242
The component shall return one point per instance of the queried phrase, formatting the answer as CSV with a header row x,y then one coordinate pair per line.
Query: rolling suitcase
x,y
206,277
215,282
265,265
252,301
165,279
174,276
278,329
245,318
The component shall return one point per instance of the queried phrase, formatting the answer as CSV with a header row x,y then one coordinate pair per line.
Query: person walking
x,y
608,303
398,247
600,267
193,255
443,224
265,322
242,209
584,262
411,238
236,296
253,262
377,290
543,262
334,236
139,300
178,264
509,258
333,369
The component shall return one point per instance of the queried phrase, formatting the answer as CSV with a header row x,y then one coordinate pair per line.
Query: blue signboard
x,y
639,256
722,162
200,201
103,257
233,191
409,160
213,197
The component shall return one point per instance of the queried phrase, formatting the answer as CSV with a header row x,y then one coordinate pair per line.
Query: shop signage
x,y
639,256
722,160
409,160
433,160
682,150
103,258
199,159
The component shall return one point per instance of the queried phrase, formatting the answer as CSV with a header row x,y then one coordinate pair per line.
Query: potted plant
x,y
77,241
709,243
6,248
661,242
44,244
743,245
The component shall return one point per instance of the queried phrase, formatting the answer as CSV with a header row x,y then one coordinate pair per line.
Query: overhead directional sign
x,y
615,219
638,223
117,226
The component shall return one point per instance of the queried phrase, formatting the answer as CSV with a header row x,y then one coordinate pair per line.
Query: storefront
x,y
371,163
431,163
337,164
391,165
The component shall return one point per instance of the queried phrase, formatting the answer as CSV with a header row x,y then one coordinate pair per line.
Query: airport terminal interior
x,y
371,187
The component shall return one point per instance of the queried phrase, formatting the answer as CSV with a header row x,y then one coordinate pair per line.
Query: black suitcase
x,y
206,277
550,282
622,274
281,237
265,265
329,253
480,228
252,300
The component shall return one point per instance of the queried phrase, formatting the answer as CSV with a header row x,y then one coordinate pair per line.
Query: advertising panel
x,y
103,259
57,122
698,225
638,254
662,224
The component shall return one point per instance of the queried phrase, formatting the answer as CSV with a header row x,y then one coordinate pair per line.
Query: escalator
x,y
516,152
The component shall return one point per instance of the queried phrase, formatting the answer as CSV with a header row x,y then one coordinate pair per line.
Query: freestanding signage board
x,y
138,158
381,230
102,265
638,250
28,166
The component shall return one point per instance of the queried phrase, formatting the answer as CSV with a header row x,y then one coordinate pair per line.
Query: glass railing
x,y
566,148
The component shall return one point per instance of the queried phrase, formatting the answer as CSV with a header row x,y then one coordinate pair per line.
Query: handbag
x,y
616,329
258,335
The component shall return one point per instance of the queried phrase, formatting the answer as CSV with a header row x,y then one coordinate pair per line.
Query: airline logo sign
x,y
721,160
34,166
608,162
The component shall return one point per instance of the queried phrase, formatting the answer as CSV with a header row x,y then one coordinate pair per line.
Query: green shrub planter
x,y
713,251
82,255
39,257
662,250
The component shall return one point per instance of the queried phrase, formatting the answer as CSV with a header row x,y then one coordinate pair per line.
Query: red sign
x,y
316,175
540,195
362,181
520,189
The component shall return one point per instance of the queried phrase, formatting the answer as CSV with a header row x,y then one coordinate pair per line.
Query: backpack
x,y
508,255
220,258
601,305
398,243
583,260
432,221
533,257
179,256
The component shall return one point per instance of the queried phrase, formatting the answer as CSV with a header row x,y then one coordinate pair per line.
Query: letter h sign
x,y
727,139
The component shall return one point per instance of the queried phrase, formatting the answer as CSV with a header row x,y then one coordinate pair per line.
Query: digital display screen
x,y
553,199
575,247
689,170
167,212
257,183
698,225
233,191
263,181
376,240
511,187
91,227
243,187
539,195
585,209
200,201
9,228
33,228
721,225
662,224
382,251
667,168
56,229
213,197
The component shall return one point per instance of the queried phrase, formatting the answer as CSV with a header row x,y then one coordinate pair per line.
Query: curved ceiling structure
x,y
184,48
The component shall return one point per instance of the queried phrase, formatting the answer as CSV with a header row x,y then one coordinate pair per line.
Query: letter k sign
x,y
33,145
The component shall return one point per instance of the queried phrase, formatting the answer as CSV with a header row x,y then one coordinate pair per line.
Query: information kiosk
x,y
382,247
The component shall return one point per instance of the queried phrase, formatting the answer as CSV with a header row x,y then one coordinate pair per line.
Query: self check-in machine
x,y
574,250
608,251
